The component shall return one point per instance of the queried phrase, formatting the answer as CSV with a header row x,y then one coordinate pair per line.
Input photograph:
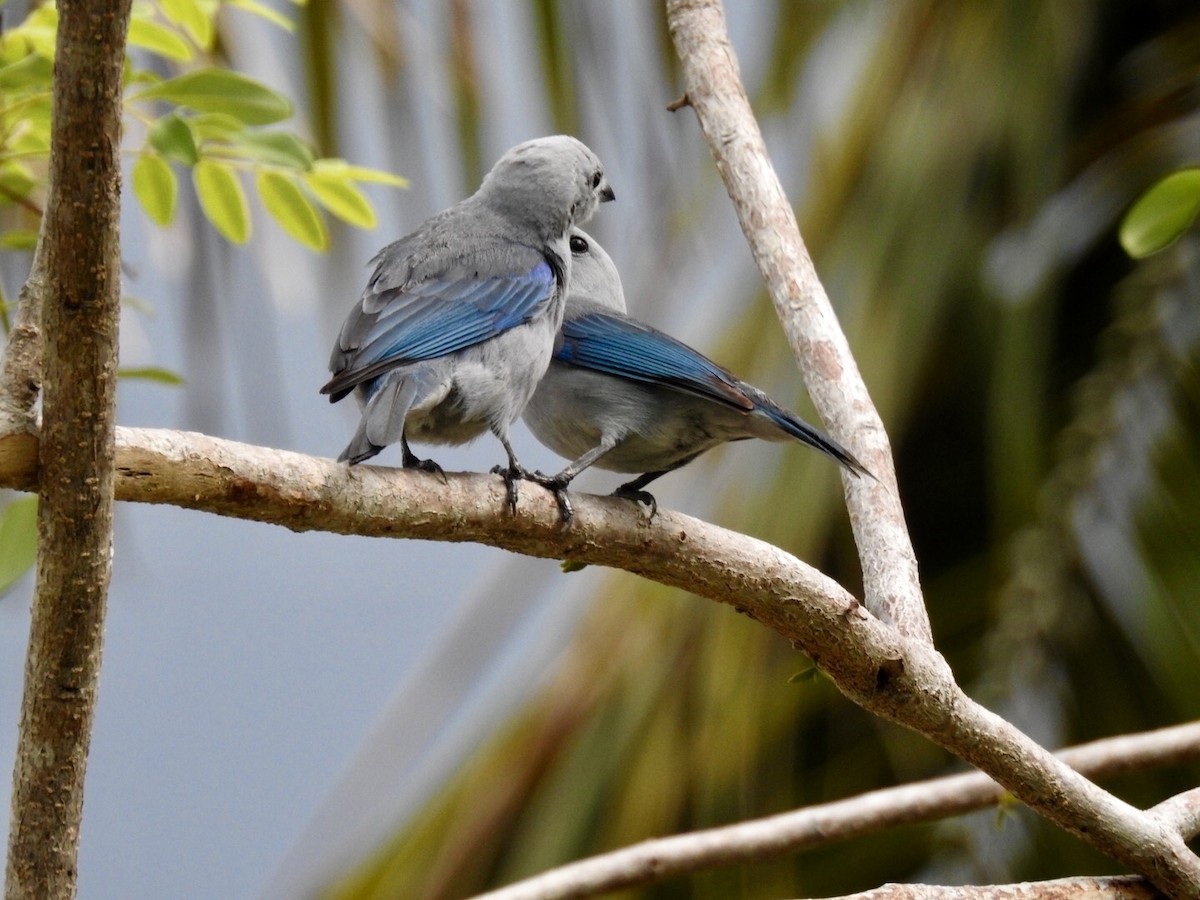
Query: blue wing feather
x,y
620,346
623,347
434,318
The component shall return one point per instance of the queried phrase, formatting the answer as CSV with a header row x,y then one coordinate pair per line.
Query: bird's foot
x,y
558,485
511,476
411,461
643,498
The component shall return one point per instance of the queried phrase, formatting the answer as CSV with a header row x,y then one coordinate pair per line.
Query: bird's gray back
x,y
469,240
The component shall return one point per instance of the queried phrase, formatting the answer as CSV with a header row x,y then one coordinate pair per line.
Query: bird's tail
x,y
386,402
360,447
796,427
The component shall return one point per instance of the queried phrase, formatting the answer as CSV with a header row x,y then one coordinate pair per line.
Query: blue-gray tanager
x,y
625,397
458,320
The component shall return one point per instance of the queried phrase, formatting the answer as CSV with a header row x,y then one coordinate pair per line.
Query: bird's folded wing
x,y
433,318
625,348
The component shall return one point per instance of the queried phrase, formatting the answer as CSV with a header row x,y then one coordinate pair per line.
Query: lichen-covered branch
x,y
715,92
80,303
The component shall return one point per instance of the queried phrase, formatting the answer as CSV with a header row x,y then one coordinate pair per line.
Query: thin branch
x,y
902,679
1115,888
715,92
826,823
80,312
21,368
1181,812
21,376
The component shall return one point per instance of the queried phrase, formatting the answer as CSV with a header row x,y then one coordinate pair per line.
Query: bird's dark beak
x,y
606,194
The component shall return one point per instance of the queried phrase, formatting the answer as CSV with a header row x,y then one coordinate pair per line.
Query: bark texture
x,y
715,92
21,376
79,321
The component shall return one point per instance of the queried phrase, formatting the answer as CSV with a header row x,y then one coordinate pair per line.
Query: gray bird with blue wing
x,y
625,397
459,318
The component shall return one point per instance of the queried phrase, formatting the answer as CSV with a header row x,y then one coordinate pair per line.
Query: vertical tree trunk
x,y
79,324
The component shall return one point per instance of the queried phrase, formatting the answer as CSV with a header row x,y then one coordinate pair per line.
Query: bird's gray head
x,y
594,276
548,184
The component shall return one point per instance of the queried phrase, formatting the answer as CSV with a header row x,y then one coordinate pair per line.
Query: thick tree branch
x,y
81,297
715,92
902,679
826,823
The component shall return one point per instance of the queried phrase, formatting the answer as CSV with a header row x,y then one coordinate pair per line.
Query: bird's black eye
x,y
596,179
578,245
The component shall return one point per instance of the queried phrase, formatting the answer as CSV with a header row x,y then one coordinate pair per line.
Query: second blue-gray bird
x,y
625,397
458,319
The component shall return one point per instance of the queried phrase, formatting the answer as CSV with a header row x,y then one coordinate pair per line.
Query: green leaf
x,y
39,31
158,39
341,197
32,71
292,210
155,186
569,565
189,16
359,173
16,180
18,540
264,12
804,675
221,91
1162,214
172,136
216,126
152,373
30,117
138,77
222,199
18,239
29,138
278,148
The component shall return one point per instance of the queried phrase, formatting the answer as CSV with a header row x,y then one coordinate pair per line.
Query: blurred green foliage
x,y
209,119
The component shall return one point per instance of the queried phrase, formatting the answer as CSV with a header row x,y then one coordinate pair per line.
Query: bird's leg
x,y
558,483
410,461
514,473
633,491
